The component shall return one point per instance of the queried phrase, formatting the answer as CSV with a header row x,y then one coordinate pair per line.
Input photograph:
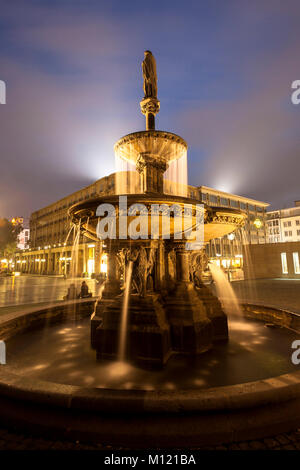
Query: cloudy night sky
x,y
73,76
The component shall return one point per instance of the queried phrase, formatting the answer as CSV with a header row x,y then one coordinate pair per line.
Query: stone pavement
x,y
28,289
10,440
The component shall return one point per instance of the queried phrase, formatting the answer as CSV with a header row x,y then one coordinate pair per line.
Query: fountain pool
x,y
253,352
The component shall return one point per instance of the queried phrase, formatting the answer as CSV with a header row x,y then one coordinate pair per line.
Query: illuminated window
x,y
91,253
284,263
103,267
91,266
296,263
226,263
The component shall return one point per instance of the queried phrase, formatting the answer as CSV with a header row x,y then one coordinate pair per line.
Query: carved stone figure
x,y
198,265
149,74
143,262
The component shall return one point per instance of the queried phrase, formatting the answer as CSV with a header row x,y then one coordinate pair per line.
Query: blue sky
x,y
74,82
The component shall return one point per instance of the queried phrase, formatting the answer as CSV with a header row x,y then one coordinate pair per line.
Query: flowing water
x,y
248,290
127,179
75,250
224,289
124,317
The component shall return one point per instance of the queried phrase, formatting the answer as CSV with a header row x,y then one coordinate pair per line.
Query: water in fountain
x,y
249,286
74,253
175,178
127,179
124,318
120,367
225,292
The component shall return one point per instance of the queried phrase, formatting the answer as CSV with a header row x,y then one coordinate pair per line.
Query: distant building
x,y
51,234
255,226
273,260
227,252
23,235
280,257
23,239
284,225
51,237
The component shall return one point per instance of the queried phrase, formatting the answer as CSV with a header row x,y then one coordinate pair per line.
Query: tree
x,y
8,237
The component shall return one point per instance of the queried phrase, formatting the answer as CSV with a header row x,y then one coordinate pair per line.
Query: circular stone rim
x,y
128,138
262,392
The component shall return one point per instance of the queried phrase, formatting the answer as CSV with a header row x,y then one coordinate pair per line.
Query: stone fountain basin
x,y
163,145
140,418
217,221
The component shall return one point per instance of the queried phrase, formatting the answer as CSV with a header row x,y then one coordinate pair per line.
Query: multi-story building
x,y
51,234
228,251
52,238
284,225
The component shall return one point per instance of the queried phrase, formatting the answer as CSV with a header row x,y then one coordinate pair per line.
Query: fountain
x,y
167,313
154,312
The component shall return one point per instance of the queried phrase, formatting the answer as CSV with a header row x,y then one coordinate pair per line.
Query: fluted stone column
x,y
152,169
182,263
150,107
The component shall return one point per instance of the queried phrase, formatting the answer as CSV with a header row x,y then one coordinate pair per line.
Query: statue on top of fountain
x,y
150,76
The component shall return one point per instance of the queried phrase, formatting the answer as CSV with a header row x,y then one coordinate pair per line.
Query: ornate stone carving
x,y
226,218
145,159
150,105
143,262
132,143
198,264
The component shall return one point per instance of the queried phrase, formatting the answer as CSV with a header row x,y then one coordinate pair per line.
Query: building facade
x,y
24,236
52,237
284,225
273,260
51,248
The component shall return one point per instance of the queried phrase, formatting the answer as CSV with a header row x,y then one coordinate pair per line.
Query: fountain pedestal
x,y
214,313
150,107
148,332
191,329
152,171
